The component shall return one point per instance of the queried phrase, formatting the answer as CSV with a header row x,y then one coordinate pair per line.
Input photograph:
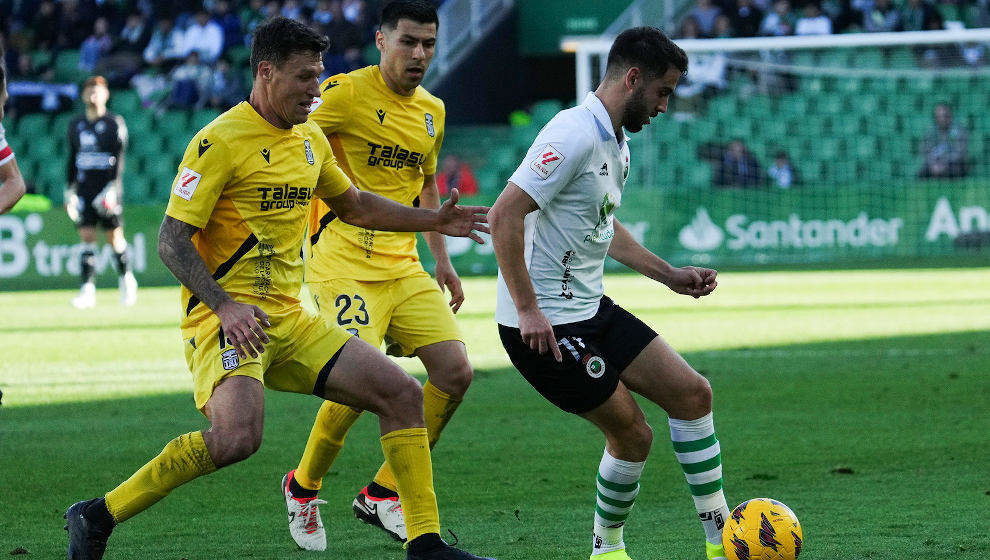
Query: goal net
x,y
865,148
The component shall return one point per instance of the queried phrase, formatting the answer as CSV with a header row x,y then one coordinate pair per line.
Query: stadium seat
x,y
31,126
67,67
545,110
202,118
173,123
125,102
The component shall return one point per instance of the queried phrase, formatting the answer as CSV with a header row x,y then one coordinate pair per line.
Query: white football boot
x,y
86,298
305,524
128,289
384,513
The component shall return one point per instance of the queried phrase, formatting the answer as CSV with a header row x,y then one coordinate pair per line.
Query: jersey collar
x,y
597,108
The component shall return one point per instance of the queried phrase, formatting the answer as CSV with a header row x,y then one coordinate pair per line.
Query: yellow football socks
x,y
183,459
407,453
438,407
325,440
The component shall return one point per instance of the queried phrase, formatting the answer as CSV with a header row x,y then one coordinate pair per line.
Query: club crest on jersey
x,y
229,359
547,160
309,152
594,365
429,125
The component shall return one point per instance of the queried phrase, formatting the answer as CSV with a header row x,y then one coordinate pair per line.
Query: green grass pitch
x,y
858,398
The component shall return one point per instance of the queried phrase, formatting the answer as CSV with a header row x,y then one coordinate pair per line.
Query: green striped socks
x,y
618,484
697,450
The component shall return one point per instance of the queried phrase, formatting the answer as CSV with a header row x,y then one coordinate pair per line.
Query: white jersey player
x,y
552,228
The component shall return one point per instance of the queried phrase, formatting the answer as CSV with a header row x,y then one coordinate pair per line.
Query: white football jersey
x,y
574,171
6,154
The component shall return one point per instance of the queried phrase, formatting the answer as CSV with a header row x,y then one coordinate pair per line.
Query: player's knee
x,y
454,379
700,398
401,397
641,436
235,445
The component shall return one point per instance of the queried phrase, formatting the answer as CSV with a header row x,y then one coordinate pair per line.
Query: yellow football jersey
x,y
248,185
385,143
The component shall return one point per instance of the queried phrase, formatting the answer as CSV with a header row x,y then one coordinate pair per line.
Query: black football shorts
x,y
595,352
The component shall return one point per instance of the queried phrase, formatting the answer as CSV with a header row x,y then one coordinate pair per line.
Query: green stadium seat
x,y
31,126
239,55
867,58
804,58
144,144
125,102
202,118
60,125
50,179
173,123
794,105
139,124
543,111
67,67
42,147
699,174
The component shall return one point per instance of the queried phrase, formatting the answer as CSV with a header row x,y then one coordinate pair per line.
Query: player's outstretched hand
x,y
536,331
448,279
242,325
462,221
692,281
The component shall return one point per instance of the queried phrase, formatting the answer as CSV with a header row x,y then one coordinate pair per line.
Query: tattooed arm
x,y
241,323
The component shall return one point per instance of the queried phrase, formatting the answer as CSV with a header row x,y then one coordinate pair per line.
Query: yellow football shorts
x,y
301,344
408,313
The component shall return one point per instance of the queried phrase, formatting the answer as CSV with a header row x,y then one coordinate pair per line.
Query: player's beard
x,y
636,113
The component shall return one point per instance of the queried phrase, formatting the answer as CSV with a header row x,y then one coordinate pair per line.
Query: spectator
x,y
738,167
95,46
165,48
456,174
73,27
707,73
814,22
204,37
291,9
781,172
252,16
916,15
346,41
190,82
945,147
704,13
884,17
722,28
322,15
746,18
229,23
151,86
941,55
124,59
45,26
780,21
227,86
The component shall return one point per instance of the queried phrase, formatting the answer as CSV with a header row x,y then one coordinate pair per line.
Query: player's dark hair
x,y
279,38
419,11
646,48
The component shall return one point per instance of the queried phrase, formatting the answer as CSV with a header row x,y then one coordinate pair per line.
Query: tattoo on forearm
x,y
179,254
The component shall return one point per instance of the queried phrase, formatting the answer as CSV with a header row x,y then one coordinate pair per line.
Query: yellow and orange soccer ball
x,y
762,529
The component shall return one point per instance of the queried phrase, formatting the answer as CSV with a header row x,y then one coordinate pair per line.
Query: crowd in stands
x,y
182,53
752,18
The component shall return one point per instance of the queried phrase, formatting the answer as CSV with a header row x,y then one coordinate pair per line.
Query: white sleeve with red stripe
x,y
6,154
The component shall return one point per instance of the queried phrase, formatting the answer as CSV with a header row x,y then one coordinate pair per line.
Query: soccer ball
x,y
762,529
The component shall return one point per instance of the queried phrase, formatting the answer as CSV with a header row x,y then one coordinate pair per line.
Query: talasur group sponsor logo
x,y
283,196
394,156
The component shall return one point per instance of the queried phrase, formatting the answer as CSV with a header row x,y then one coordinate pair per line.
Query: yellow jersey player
x,y
386,131
233,234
